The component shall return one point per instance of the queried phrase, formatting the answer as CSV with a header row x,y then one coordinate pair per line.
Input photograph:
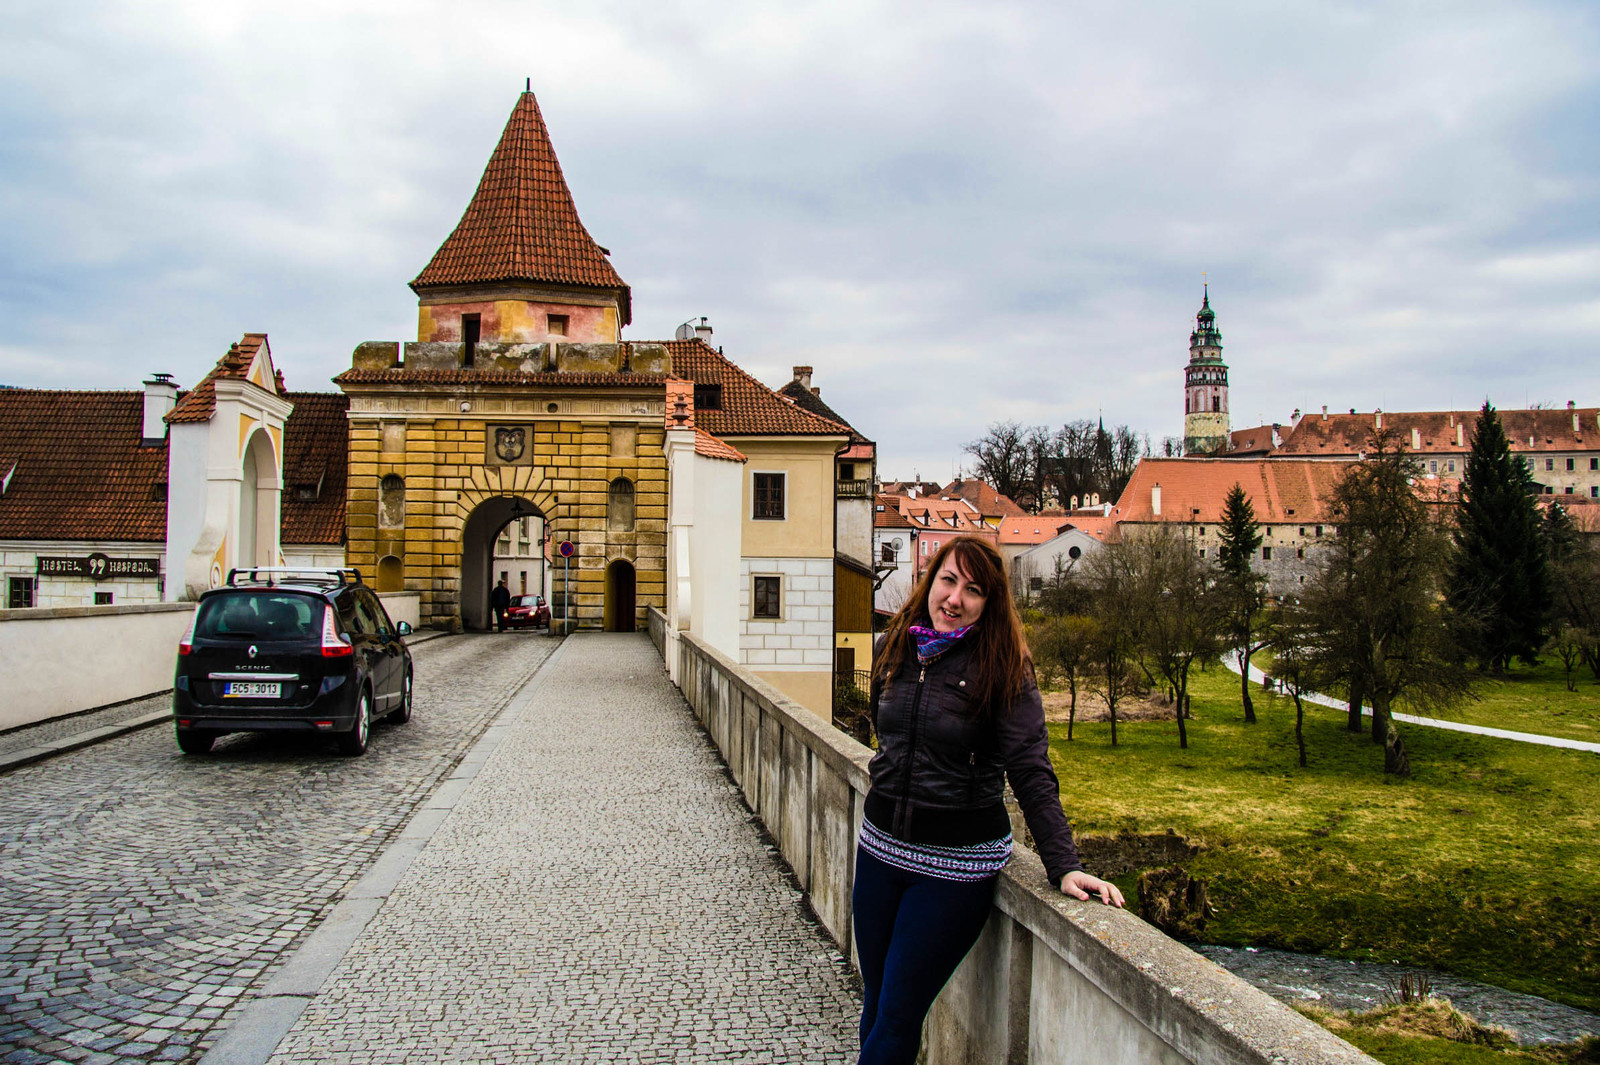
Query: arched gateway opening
x,y
621,603
478,537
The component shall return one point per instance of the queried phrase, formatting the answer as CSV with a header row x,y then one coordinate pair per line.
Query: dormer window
x,y
305,493
555,325
708,397
158,492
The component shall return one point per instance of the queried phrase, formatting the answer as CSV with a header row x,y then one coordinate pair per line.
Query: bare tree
x,y
1067,645
1001,457
1178,606
1112,583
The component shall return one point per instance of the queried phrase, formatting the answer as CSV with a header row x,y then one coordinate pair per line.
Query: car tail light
x,y
186,644
333,645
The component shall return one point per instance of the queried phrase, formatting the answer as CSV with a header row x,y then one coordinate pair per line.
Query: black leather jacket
x,y
939,774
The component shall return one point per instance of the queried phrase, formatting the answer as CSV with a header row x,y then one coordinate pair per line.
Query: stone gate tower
x,y
517,399
1205,391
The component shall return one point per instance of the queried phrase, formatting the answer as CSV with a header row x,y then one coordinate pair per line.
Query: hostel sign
x,y
97,567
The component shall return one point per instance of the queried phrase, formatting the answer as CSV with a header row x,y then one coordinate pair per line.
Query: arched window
x,y
392,503
619,506
391,574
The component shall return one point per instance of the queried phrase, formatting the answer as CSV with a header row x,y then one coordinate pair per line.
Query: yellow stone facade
x,y
581,440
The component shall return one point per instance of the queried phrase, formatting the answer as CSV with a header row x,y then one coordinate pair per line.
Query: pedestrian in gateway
x,y
957,712
500,600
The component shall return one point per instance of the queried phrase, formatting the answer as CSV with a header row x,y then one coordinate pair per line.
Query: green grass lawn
x,y
1485,862
1535,699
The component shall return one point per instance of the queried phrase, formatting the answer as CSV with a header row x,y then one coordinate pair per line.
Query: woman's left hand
x,y
1081,885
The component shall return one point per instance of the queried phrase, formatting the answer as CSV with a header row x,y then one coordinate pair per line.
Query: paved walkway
x,y
1232,664
598,892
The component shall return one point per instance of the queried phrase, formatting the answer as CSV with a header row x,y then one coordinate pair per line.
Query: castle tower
x,y
1205,391
520,268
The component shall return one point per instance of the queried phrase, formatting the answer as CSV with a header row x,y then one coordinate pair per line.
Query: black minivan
x,y
290,649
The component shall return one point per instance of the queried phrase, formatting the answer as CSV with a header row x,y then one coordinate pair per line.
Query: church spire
x,y
522,226
1205,392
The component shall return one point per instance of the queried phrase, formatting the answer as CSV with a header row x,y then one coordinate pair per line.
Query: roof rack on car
x,y
274,575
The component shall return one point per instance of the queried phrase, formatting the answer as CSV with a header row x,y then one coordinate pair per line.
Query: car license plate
x,y
237,689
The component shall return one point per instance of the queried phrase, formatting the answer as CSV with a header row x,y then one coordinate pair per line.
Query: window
x,y
1266,554
1549,464
1035,584
1302,530
847,471
1569,490
158,492
768,599
1299,552
102,598
1319,530
619,506
1571,463
1594,464
708,397
471,330
1433,465
20,593
1202,552
305,493
1594,491
1074,552
555,325
887,552
768,497
1452,466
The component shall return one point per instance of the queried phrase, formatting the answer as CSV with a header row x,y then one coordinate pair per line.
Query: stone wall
x,y
1051,979
449,470
61,661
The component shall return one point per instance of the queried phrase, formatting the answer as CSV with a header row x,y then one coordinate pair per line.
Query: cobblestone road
x,y
144,894
599,894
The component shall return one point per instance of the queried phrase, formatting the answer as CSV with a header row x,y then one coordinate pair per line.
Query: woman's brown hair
x,y
1001,662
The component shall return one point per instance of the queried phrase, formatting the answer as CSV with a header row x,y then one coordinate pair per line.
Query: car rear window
x,y
259,616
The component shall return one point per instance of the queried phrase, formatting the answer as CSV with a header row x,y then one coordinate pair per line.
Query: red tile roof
x,y
942,515
1527,430
1193,490
806,399
886,513
522,224
1031,528
712,448
200,402
1101,528
80,472
990,504
749,408
316,452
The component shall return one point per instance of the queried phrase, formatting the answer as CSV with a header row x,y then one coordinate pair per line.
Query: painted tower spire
x,y
1205,392
519,265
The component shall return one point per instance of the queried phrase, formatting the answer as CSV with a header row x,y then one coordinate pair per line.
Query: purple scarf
x,y
931,643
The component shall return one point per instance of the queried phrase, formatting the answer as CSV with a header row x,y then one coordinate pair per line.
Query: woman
x,y
956,711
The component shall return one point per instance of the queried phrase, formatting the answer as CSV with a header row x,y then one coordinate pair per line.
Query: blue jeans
x,y
911,933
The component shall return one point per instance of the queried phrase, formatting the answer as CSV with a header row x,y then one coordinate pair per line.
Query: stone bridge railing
x,y
1052,979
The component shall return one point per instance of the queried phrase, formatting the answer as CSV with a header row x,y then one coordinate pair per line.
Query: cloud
x,y
955,212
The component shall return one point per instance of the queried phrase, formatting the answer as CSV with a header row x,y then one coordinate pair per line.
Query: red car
x,y
528,612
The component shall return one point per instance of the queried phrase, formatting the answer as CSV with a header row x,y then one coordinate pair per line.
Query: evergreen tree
x,y
1500,575
1241,592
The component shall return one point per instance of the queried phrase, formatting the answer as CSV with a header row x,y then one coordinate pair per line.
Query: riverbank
x,y
1480,864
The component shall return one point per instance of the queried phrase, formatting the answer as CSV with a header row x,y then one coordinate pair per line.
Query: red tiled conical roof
x,y
521,224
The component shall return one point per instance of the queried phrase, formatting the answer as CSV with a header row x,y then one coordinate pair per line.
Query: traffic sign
x,y
566,549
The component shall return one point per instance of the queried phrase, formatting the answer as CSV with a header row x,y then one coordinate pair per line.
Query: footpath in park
x,y
1231,663
589,887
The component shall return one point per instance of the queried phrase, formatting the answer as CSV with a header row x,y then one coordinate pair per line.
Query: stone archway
x,y
258,504
478,536
621,597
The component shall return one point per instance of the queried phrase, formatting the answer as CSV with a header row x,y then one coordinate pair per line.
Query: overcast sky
x,y
957,213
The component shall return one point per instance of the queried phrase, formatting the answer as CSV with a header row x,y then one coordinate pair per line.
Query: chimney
x,y
1294,419
1461,434
160,396
1277,439
703,330
1577,426
1324,412
1416,439
1377,419
802,374
1155,499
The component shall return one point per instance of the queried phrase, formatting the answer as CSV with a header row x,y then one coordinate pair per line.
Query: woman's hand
x,y
1081,885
